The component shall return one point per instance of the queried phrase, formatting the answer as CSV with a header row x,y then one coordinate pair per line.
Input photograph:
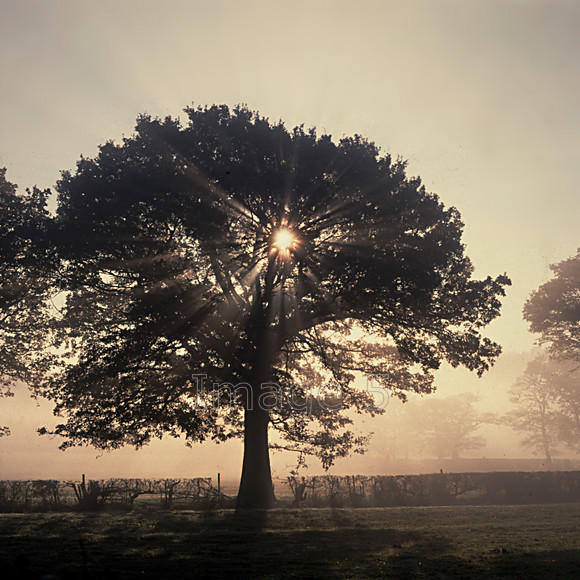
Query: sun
x,y
284,240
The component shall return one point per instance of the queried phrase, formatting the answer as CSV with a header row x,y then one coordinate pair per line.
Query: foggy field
x,y
460,542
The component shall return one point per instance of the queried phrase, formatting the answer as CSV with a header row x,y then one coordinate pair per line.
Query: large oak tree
x,y
233,250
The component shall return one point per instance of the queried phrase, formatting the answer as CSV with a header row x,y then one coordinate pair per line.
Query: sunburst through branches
x,y
284,240
240,251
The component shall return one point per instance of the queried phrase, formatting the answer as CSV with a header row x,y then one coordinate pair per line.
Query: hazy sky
x,y
482,98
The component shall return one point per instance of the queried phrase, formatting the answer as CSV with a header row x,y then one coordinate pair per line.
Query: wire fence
x,y
115,493
435,489
296,491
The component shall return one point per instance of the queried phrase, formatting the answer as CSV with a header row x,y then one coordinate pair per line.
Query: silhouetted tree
x,y
233,250
553,310
23,284
547,405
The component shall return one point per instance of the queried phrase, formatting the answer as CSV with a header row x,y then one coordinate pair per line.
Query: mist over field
x,y
26,455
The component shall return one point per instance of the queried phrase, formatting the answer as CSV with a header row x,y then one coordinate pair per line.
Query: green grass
x,y
541,541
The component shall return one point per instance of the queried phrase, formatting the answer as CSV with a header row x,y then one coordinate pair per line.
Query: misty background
x,y
481,98
400,442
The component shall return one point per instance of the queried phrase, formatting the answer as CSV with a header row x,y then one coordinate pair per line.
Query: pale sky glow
x,y
482,98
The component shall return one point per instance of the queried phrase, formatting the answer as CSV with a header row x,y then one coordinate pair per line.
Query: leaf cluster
x,y
167,270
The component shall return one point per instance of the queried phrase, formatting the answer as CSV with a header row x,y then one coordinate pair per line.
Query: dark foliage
x,y
171,266
25,257
553,310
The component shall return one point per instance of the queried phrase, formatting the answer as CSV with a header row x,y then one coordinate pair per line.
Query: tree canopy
x,y
553,310
233,250
23,284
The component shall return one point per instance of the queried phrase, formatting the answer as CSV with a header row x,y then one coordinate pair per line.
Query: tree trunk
x,y
256,489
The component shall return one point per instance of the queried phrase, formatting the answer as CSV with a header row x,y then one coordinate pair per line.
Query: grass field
x,y
436,542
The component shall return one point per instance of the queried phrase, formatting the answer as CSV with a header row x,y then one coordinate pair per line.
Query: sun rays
x,y
284,240
273,246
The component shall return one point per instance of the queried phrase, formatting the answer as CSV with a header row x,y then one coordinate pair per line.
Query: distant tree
x,y
23,283
547,405
553,310
232,250
566,384
446,427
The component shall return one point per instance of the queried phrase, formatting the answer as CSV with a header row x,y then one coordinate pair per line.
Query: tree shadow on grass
x,y
225,544
215,545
